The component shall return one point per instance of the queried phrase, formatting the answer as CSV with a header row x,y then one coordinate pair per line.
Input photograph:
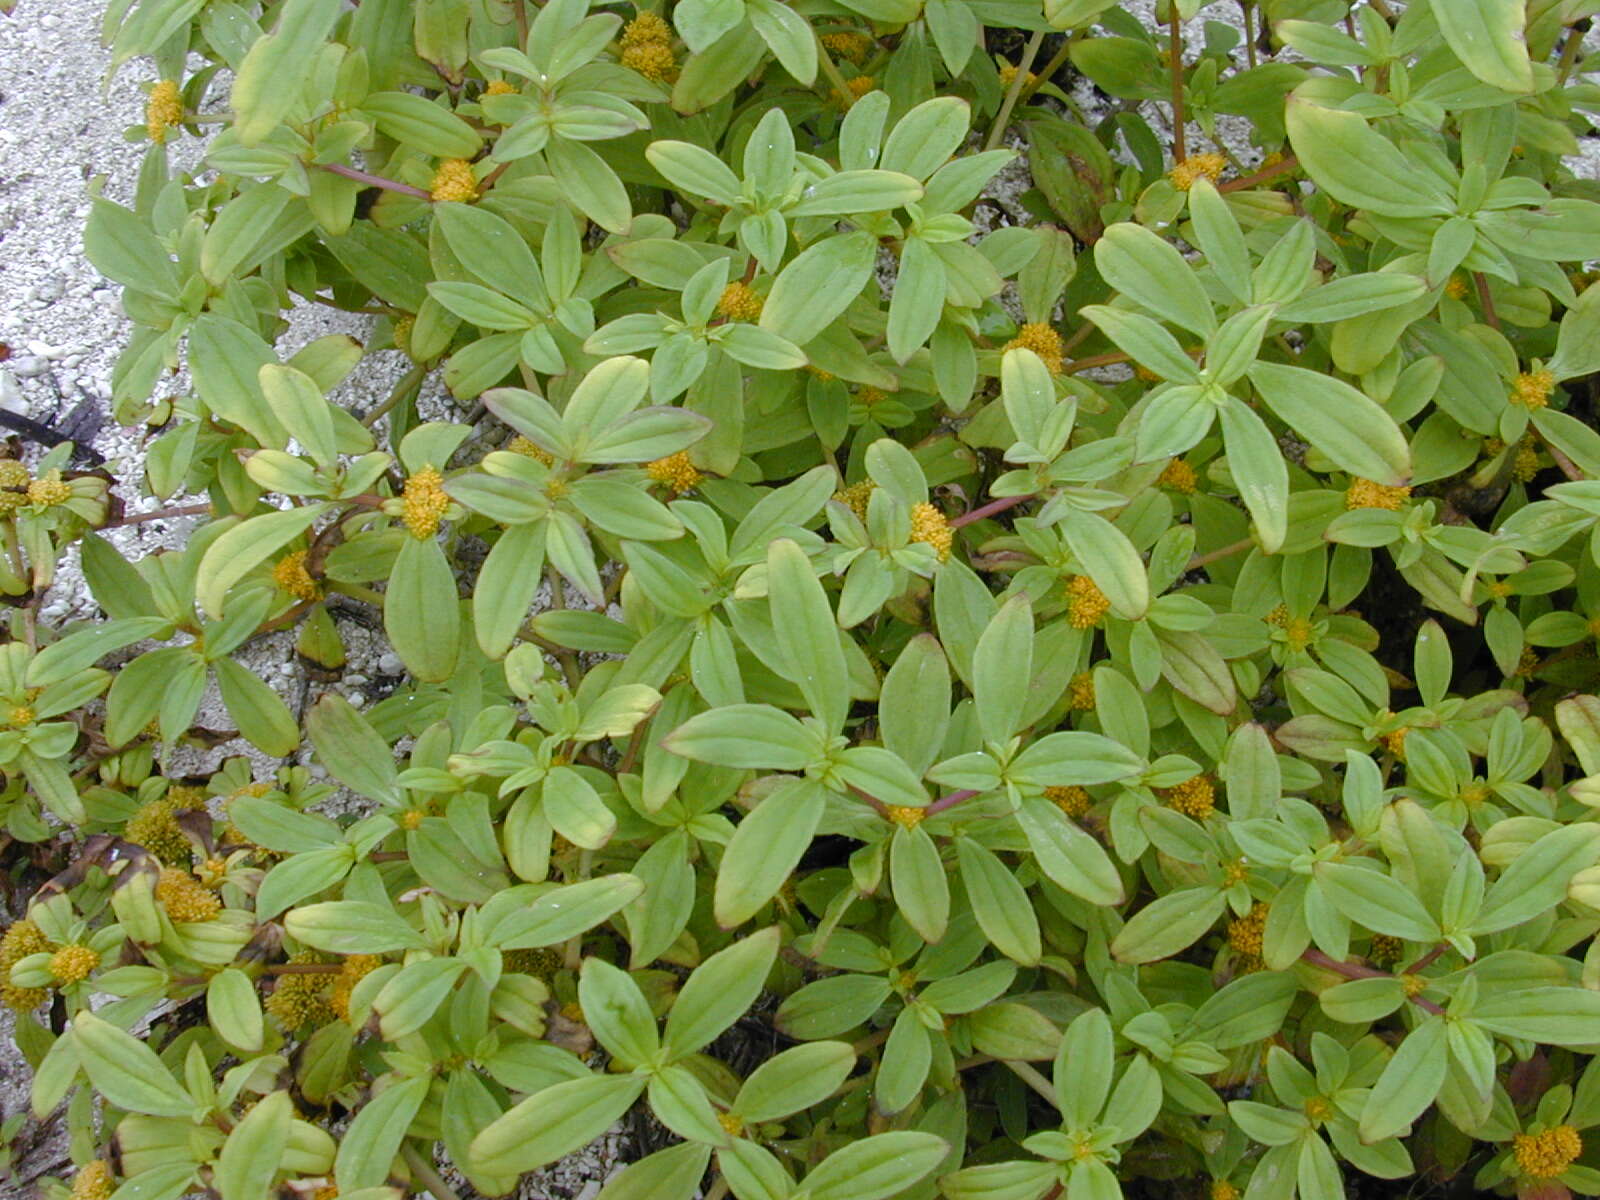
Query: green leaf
x,y
123,249
1355,433
918,880
241,549
794,1080
914,703
1258,470
755,736
718,992
369,1146
1410,1082
269,80
1000,903
259,712
765,849
1375,901
421,613
352,927
554,1122
615,1008
126,1071
818,285
1553,1016
1003,657
875,1167
807,633
1537,880
352,750
1360,167
1486,35
565,912
254,1151
1109,558
1168,925
1148,270
421,124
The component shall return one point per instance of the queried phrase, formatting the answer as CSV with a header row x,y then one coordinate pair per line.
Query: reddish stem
x,y
950,801
1356,971
377,181
988,510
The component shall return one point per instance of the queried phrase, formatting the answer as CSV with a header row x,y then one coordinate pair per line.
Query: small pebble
x,y
11,397
29,366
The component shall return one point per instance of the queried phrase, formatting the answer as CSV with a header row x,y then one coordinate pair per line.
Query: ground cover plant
x,y
1107,695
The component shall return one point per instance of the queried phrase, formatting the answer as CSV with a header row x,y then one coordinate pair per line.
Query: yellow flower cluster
x,y
93,1181
19,714
541,964
1395,742
1235,871
1456,288
21,939
1080,692
853,47
907,816
647,48
1209,166
500,87
1221,1189
861,85
645,28
72,964
1179,476
1525,464
855,497
454,182
928,525
739,302
354,969
155,827
13,474
1364,493
1532,389
163,110
654,60
1547,1154
1070,799
529,448
1194,797
401,332
184,897
290,575
675,470
1385,950
425,503
301,999
1043,341
732,1123
1245,933
1008,76
49,490
1086,603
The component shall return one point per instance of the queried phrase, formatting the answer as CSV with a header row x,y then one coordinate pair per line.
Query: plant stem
x,y
950,801
1029,53
411,379
427,1176
378,181
835,76
1486,300
1249,30
1048,73
1095,360
182,510
1355,971
1569,55
1033,1079
1285,166
1180,149
1211,556
988,510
